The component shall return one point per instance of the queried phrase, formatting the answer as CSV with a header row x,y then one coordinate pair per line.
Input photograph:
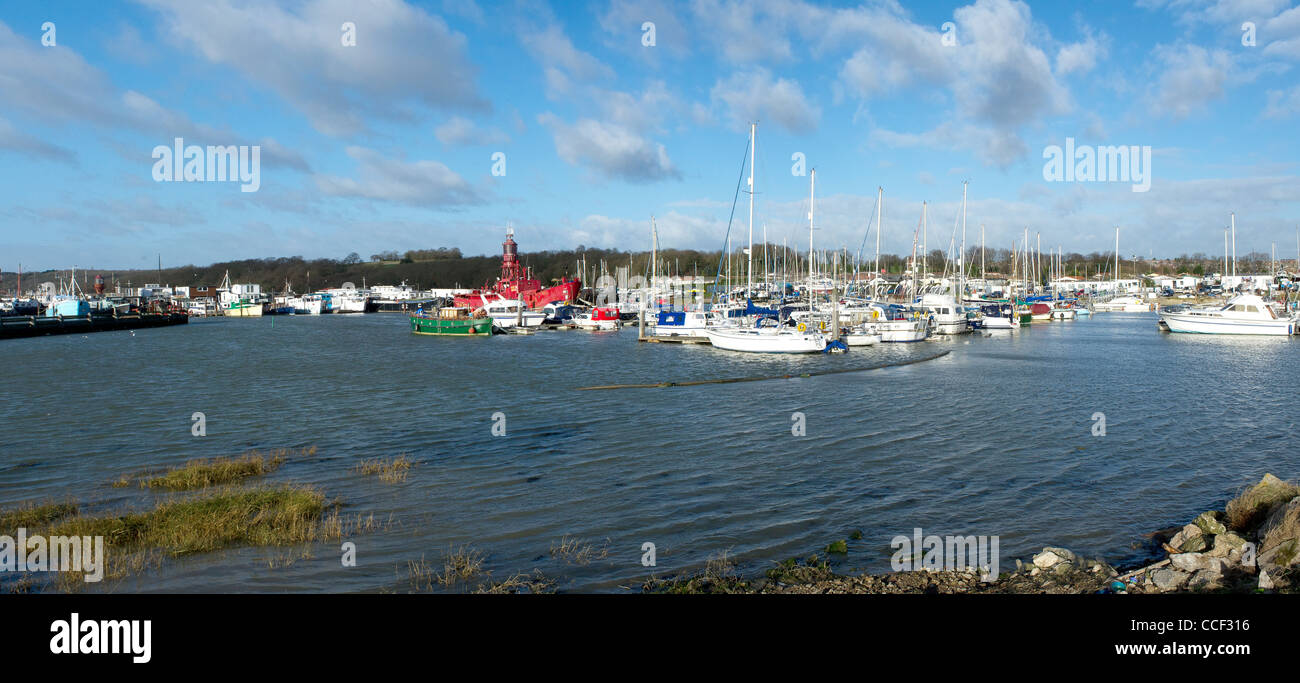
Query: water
x,y
995,438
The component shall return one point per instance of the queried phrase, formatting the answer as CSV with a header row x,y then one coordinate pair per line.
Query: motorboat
x,y
1243,314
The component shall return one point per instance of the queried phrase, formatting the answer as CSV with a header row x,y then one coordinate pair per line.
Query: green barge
x,y
451,321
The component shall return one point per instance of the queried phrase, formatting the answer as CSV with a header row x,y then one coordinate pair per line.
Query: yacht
x,y
1242,314
949,316
687,323
779,339
508,313
898,324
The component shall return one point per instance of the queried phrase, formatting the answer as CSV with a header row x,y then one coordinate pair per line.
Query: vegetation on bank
x,y
447,267
33,515
197,474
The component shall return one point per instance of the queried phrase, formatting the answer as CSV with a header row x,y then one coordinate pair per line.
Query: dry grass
x,y
520,583
578,551
31,515
1247,510
280,515
390,471
198,474
458,566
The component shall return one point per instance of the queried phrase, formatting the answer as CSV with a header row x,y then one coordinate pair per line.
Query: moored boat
x,y
453,321
1245,314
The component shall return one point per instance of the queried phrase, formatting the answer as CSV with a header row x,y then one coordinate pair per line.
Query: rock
x,y
1193,545
1186,533
1050,557
1265,581
838,547
1225,543
1192,562
1167,579
1206,579
1209,523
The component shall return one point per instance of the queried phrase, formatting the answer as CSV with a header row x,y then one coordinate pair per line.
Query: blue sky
x,y
389,144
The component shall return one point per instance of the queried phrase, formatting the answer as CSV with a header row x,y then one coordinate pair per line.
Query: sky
x,y
388,125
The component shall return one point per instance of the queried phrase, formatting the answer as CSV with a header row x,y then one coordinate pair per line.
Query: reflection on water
x,y
993,439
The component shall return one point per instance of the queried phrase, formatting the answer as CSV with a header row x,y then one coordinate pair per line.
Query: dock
x,y
14,327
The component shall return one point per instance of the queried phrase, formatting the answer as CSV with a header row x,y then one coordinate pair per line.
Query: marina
x,y
583,471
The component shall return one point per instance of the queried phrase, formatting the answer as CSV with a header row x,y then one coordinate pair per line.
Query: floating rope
x,y
762,379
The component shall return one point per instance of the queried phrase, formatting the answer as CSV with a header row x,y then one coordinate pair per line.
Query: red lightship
x,y
516,283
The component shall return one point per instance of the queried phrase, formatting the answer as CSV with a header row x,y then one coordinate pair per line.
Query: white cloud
x,y
1192,77
403,56
613,150
462,131
417,183
756,95
1283,104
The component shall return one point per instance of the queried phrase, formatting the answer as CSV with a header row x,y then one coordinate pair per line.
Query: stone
x,y
1192,562
1265,581
1050,557
1206,579
1186,533
1193,545
1167,579
1209,523
1225,543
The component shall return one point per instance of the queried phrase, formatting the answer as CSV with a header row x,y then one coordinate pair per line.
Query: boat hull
x,y
757,341
456,328
1200,325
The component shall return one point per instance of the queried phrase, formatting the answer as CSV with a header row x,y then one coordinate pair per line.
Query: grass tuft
x,y
31,515
1247,510
390,471
578,551
198,474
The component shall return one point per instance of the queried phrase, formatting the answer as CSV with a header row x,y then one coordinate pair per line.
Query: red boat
x,y
515,283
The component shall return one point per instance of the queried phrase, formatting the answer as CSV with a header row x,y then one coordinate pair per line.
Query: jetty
x,y
14,327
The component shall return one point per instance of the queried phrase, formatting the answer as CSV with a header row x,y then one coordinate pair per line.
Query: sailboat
x,y
768,335
1126,303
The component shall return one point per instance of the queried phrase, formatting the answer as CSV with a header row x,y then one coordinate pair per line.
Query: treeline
x,y
447,267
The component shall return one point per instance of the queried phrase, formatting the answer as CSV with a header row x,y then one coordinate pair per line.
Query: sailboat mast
x,y
749,287
812,259
1233,215
961,280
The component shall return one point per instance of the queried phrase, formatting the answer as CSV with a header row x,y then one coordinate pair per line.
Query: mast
x,y
812,207
654,258
1117,259
1234,243
749,288
961,261
880,199
983,276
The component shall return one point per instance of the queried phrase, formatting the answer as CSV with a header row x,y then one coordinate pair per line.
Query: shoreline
x,y
1253,546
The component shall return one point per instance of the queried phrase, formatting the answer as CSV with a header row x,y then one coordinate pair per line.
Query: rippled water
x,y
992,439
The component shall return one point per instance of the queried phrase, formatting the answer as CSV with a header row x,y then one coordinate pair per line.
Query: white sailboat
x,y
777,339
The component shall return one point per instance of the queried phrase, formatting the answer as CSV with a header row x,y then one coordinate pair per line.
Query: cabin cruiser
x,y
900,324
597,319
1242,314
999,317
949,317
508,313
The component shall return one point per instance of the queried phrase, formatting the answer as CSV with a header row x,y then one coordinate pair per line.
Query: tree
x,y
352,259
